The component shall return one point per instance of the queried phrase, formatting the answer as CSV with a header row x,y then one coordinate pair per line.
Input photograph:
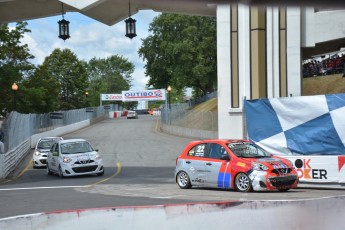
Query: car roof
x,y
48,138
72,140
225,141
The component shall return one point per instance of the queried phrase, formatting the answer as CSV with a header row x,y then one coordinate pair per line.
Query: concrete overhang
x,y
108,12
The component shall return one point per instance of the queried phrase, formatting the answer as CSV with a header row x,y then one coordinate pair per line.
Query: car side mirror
x,y
96,150
225,157
55,154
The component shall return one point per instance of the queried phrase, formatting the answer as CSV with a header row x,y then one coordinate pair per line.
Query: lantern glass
x,y
63,29
130,28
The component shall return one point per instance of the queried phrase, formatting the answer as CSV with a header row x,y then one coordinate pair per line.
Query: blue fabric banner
x,y
306,125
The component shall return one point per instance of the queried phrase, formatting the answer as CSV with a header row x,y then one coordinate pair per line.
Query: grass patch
x,y
330,84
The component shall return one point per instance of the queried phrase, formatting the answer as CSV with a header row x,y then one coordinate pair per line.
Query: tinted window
x,y
46,143
197,151
247,149
216,151
76,147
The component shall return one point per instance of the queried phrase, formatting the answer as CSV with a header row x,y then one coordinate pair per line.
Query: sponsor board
x,y
319,169
111,97
145,95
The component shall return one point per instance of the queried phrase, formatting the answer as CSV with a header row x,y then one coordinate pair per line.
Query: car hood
x,y
82,156
272,162
43,150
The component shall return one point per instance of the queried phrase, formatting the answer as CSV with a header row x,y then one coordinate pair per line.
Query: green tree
x,y
14,63
108,75
70,72
181,52
41,93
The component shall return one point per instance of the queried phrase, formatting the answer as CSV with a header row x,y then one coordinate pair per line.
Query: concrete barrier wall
x,y
112,113
59,131
327,213
188,132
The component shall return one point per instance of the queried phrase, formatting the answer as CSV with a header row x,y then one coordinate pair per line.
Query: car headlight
x,y
98,157
66,159
259,167
291,164
37,153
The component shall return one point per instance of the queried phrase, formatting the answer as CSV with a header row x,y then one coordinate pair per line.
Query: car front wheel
x,y
101,173
183,180
60,172
48,170
242,183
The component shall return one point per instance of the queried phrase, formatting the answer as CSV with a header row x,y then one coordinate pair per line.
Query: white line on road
x,y
32,188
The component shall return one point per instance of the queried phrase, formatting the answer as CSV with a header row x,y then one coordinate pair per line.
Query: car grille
x,y
282,171
43,161
282,181
85,169
84,162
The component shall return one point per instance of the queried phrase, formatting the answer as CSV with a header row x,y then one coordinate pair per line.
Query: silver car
x,y
132,115
74,157
42,148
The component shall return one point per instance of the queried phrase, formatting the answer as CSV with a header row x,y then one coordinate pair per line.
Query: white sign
x,y
145,95
319,169
111,97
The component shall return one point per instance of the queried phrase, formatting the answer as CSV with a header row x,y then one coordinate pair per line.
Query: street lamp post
x,y
169,90
14,89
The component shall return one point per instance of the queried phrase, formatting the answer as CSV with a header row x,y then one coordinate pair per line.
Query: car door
x,y
218,167
194,164
54,157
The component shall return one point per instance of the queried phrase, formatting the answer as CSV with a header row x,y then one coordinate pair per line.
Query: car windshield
x,y
248,150
47,143
76,147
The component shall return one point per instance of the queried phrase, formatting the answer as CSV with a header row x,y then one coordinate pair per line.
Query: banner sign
x,y
305,125
111,97
319,169
145,95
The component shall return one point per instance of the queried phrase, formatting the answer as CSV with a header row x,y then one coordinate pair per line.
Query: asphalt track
x,y
139,162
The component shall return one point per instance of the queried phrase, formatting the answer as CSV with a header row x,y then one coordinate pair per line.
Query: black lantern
x,y
130,28
130,24
63,27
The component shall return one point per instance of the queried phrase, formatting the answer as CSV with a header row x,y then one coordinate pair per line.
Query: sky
x,y
90,38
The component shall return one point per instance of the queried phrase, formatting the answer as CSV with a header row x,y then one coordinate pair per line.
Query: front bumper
x,y
263,181
39,161
82,169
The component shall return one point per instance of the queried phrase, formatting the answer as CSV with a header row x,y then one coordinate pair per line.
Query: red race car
x,y
233,164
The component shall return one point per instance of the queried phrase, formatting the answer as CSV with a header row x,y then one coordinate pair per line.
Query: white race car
x,y
74,157
42,148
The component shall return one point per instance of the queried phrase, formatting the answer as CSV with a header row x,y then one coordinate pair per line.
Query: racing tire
x,y
60,172
183,180
48,170
243,183
101,173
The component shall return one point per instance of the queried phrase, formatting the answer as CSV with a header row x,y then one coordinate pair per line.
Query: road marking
x,y
157,124
114,175
33,188
24,170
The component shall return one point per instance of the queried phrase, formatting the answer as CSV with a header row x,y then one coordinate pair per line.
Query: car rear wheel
x,y
60,172
242,183
183,180
48,170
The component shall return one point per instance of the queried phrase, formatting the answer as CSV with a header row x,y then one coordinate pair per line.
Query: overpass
x,y
259,48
